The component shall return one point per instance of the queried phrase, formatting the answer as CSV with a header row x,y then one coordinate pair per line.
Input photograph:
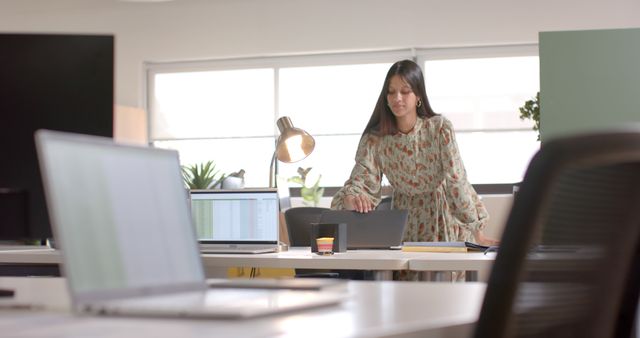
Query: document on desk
x,y
443,247
310,284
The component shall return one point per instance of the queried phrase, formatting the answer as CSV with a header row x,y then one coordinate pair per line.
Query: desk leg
x,y
216,272
435,276
382,275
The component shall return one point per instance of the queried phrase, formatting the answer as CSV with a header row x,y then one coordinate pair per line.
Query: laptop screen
x,y
236,216
120,214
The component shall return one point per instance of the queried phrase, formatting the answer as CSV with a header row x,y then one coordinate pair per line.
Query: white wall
x,y
208,29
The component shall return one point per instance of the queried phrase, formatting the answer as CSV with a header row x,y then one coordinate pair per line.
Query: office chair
x,y
386,203
299,222
568,263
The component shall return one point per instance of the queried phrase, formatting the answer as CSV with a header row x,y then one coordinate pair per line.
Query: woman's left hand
x,y
484,240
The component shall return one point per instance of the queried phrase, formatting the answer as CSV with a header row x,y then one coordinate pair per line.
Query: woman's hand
x,y
484,240
359,203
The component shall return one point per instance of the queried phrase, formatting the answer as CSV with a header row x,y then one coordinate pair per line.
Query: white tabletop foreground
x,y
370,309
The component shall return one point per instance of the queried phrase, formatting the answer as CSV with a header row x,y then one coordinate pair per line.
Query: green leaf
x,y
200,176
531,110
296,179
310,195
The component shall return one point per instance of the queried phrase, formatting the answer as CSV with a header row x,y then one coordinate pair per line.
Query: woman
x,y
416,150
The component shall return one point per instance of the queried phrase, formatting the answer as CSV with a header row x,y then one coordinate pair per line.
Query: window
x,y
225,116
225,111
332,103
481,97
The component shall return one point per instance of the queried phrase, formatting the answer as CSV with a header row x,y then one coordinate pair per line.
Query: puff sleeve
x,y
366,175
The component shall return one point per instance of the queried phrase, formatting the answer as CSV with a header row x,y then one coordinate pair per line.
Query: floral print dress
x,y
428,178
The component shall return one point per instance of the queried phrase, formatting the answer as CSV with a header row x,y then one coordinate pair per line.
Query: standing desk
x,y
25,261
381,262
432,266
370,309
24,255
436,266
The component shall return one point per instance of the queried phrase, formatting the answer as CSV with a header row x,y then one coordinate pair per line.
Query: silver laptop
x,y
121,217
236,221
378,229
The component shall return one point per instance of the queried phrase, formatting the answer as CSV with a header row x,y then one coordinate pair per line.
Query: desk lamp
x,y
293,145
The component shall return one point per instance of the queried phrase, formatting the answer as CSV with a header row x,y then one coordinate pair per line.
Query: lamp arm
x,y
272,170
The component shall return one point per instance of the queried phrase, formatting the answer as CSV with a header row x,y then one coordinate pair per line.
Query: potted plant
x,y
202,176
235,180
311,193
531,110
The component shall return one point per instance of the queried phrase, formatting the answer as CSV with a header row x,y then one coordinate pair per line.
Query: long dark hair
x,y
382,121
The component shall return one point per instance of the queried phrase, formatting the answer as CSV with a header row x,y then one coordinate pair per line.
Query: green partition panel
x,y
589,80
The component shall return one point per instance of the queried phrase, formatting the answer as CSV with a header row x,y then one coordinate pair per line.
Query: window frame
x,y
477,52
419,55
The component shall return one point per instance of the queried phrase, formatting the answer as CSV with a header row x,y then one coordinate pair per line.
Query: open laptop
x,y
236,221
377,229
121,218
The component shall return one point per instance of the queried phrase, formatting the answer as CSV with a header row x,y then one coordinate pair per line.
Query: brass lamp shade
x,y
294,144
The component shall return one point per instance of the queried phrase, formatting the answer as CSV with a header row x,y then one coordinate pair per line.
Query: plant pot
x,y
233,183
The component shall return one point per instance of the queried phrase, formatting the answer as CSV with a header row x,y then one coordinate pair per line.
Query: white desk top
x,y
440,261
373,309
303,258
31,256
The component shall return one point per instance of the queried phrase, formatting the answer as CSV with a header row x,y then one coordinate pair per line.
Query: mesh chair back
x,y
386,203
569,251
299,222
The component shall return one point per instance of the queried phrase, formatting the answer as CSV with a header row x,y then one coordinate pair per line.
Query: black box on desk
x,y
336,230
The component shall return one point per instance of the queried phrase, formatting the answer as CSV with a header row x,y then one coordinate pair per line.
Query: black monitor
x,y
51,81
